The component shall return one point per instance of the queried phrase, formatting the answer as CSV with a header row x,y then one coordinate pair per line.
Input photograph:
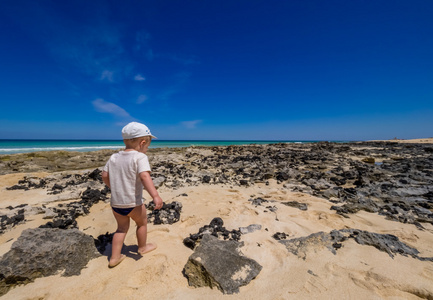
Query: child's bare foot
x,y
146,249
114,263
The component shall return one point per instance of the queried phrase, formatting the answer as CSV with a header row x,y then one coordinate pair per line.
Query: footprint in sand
x,y
224,211
154,268
189,221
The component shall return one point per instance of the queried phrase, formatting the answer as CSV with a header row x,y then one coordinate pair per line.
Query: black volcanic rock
x,y
335,239
43,252
7,222
296,204
66,214
216,229
398,185
168,214
219,264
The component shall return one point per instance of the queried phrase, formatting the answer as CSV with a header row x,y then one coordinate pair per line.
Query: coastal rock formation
x,y
53,161
168,214
7,222
57,183
398,184
301,206
216,229
64,215
334,240
394,180
217,263
43,252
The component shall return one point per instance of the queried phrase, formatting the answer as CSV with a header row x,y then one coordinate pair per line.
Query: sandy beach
x,y
350,271
410,141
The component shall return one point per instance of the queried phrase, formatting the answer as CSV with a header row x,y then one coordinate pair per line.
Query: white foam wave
x,y
81,148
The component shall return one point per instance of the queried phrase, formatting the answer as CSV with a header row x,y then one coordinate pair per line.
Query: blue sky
x,y
261,70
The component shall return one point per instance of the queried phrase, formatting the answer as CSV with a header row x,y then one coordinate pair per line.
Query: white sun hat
x,y
135,130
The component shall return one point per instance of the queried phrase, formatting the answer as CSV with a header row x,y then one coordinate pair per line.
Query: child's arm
x,y
106,178
150,188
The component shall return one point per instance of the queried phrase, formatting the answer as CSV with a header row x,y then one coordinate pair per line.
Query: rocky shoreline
x,y
389,179
395,180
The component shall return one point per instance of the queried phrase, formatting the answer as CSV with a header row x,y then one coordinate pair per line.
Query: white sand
x,y
356,272
410,141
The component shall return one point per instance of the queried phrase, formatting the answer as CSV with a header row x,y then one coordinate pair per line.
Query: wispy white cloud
x,y
141,99
103,106
191,124
139,77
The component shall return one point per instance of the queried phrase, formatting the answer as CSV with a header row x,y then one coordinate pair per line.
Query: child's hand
x,y
158,202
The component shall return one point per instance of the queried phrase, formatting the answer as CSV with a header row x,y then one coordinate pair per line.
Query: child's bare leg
x,y
139,215
118,238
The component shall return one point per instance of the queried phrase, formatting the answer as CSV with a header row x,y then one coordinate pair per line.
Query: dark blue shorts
x,y
123,211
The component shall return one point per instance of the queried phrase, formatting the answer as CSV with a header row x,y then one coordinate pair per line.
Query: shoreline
x,y
29,146
61,160
9,147
299,190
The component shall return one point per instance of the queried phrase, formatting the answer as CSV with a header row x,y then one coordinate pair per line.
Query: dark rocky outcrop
x,y
280,236
391,179
168,214
395,180
216,229
300,246
219,264
58,183
29,183
43,252
334,240
261,202
296,204
7,222
65,215
258,201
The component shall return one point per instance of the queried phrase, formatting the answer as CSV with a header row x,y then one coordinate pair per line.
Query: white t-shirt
x,y
124,168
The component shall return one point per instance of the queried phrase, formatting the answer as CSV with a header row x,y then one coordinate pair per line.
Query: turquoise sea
x,y
25,146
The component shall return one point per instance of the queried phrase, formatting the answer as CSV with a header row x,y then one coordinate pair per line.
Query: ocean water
x,y
25,146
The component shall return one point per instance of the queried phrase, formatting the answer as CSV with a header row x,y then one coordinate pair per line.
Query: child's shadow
x,y
131,251
103,244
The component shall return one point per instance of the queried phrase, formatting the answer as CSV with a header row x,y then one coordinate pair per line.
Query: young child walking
x,y
126,174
